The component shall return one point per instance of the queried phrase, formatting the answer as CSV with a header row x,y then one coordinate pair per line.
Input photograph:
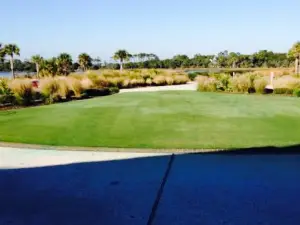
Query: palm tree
x,y
11,50
2,53
49,67
295,53
84,61
37,60
233,59
121,55
64,63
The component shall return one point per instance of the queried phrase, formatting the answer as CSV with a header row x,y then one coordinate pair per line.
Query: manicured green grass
x,y
159,120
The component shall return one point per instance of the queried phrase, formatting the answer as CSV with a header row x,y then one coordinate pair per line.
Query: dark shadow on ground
x,y
293,149
256,186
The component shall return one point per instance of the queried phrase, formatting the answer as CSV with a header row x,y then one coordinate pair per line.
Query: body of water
x,y
8,74
5,74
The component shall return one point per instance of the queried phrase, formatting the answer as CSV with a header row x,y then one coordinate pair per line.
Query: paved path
x,y
78,188
191,86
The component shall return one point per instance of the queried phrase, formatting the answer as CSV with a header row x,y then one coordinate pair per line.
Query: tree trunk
x,y
121,65
12,66
297,65
37,70
233,66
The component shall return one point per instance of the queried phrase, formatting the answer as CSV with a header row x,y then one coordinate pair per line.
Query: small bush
x,y
159,80
114,81
241,83
296,92
86,83
23,91
169,80
133,82
192,75
75,87
140,82
126,83
50,88
6,94
149,81
293,83
260,85
207,84
114,90
181,79
98,81
223,81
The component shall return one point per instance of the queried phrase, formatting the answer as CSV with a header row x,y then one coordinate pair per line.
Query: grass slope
x,y
159,120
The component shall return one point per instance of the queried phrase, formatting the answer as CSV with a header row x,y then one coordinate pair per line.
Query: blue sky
x,y
164,27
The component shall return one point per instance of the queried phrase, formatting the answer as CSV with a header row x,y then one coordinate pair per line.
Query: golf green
x,y
175,119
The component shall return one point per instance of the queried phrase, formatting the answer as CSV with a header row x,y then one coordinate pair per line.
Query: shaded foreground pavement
x,y
79,188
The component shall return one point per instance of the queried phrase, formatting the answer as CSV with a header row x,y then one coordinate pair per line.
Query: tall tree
x,y
2,53
121,55
85,61
64,64
295,54
233,59
11,50
49,67
37,60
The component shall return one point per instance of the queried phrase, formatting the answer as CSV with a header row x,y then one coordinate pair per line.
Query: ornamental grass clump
x,y
50,88
23,91
207,84
75,87
260,84
159,80
181,79
240,84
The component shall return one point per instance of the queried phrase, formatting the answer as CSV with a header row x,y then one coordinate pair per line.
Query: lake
x,y
5,74
8,74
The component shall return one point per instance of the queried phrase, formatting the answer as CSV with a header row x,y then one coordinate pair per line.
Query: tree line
x,y
63,64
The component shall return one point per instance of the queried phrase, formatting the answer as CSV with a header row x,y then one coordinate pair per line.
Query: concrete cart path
x,y
79,188
191,86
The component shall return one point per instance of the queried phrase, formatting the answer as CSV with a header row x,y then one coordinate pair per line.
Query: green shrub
x,y
223,81
283,91
114,90
6,94
296,92
260,85
192,75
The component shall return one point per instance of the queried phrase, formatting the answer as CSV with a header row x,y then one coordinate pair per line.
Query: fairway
x,y
174,119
